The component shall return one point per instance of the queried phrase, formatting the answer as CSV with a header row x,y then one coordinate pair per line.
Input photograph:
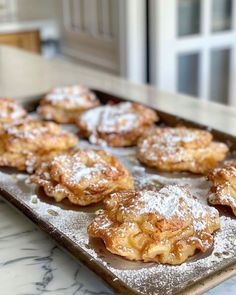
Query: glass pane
x,y
188,17
219,74
188,73
221,15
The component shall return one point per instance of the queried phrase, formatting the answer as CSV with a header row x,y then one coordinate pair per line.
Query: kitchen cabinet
x,y
29,41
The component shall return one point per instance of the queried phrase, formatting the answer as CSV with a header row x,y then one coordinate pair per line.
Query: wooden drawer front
x,y
27,40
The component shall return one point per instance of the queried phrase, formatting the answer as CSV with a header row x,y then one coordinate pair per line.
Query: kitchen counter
x,y
48,28
31,263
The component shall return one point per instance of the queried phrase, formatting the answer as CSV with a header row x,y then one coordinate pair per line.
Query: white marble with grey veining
x,y
30,261
32,264
227,288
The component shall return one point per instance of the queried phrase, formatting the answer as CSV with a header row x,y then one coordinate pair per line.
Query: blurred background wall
x,y
38,9
186,46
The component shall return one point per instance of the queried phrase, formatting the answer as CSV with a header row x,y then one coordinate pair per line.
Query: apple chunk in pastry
x,y
116,125
223,190
180,149
167,226
65,104
83,176
25,142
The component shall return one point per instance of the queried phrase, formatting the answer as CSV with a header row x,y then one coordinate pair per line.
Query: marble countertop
x,y
31,262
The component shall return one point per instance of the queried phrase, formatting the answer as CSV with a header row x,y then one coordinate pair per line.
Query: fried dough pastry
x,y
223,190
165,226
116,125
65,104
83,176
229,163
180,149
10,110
25,142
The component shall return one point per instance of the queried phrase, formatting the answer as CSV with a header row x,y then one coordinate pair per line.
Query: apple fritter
x,y
166,225
65,104
116,125
180,149
10,110
223,190
24,142
83,176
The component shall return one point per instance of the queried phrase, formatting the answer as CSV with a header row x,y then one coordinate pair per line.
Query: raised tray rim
x,y
199,287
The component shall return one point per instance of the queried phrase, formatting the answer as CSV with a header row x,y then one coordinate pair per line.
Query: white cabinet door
x,y
109,34
193,47
90,32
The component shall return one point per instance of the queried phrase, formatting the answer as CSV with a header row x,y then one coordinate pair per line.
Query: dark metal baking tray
x,y
67,223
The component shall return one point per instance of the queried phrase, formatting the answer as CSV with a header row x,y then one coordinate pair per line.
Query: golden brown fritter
x,y
65,104
223,190
83,176
180,149
24,142
10,110
165,226
116,125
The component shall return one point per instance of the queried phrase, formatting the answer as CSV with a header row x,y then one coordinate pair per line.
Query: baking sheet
x,y
68,223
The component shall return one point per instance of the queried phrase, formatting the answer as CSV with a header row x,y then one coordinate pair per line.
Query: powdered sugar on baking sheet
x,y
146,278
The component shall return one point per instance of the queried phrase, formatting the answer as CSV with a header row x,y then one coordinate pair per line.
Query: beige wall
x,y
38,9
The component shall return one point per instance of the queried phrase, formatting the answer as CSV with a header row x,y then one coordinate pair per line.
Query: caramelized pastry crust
x,y
10,110
83,176
116,125
65,104
165,226
223,190
24,142
180,149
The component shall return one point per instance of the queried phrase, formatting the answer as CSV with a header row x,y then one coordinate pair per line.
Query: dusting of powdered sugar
x,y
73,96
118,118
166,205
9,109
75,169
168,144
171,202
110,118
91,118
143,278
224,198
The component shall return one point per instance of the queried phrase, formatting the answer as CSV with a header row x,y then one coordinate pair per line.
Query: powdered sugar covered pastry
x,y
223,190
83,176
10,110
166,225
65,104
116,125
180,149
24,142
